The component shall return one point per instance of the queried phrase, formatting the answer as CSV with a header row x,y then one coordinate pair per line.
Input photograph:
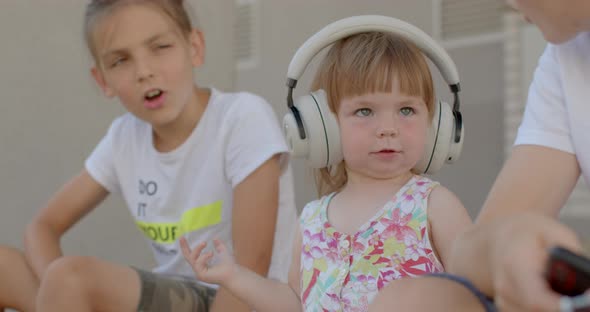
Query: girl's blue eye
x,y
407,111
363,112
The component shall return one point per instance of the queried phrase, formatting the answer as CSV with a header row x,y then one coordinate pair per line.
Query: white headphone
x,y
310,126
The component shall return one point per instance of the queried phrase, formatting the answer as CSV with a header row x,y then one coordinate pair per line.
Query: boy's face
x,y
145,61
558,20
383,134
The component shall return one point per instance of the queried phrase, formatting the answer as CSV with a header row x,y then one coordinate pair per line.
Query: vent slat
x,y
246,28
466,18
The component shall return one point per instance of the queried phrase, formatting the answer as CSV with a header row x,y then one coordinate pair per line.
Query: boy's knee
x,y
9,256
68,275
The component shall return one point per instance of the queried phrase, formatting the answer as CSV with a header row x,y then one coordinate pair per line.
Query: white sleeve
x,y
545,120
100,164
254,137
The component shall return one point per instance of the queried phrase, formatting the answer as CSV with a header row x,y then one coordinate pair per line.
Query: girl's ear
x,y
197,47
100,81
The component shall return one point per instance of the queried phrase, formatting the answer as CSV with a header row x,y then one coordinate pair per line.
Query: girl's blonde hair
x,y
97,9
365,63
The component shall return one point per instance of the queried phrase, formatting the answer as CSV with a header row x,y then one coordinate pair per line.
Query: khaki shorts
x,y
160,292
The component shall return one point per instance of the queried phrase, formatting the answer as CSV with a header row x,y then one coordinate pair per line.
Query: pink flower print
x,y
315,239
420,183
311,248
357,247
400,219
373,239
397,226
330,302
361,306
414,248
309,256
385,277
377,248
397,265
418,267
365,283
407,204
332,251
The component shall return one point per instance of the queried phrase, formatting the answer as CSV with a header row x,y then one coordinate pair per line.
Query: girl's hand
x,y
220,272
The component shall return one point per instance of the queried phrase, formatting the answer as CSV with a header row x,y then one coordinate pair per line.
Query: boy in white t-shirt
x,y
189,161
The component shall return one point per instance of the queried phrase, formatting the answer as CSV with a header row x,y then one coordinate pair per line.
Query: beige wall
x,y
287,24
52,115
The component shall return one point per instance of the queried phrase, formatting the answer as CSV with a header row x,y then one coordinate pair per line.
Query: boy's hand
x,y
220,272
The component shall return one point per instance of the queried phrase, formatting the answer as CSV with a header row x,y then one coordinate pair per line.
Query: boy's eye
x,y
363,112
407,111
118,62
163,46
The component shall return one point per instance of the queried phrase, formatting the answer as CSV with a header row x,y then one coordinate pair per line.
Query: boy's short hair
x,y
96,9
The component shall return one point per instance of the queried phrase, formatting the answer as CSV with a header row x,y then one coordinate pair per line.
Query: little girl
x,y
187,160
377,221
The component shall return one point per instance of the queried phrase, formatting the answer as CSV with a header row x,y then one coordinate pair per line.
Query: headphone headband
x,y
367,23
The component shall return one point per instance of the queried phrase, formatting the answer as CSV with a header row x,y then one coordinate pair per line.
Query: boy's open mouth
x,y
153,94
154,99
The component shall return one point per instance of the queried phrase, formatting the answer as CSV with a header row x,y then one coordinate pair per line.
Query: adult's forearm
x,y
41,247
471,254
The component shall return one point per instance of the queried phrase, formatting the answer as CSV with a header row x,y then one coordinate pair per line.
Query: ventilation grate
x,y
469,18
247,34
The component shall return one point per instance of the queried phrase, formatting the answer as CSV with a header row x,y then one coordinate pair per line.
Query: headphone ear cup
x,y
321,147
331,134
438,142
456,147
298,147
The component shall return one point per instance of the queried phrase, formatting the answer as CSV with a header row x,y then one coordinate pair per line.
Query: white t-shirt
x,y
557,114
189,191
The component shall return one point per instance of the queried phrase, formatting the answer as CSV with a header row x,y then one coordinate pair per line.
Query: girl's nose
x,y
388,132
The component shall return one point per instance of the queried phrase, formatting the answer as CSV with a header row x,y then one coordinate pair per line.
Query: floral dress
x,y
341,272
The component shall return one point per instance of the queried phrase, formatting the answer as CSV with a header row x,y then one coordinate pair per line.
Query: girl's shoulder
x,y
313,209
423,182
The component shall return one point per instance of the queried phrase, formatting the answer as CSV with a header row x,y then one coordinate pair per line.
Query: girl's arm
x,y
254,215
261,294
42,236
448,218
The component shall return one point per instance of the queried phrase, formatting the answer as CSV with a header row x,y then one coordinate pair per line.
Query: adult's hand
x,y
519,254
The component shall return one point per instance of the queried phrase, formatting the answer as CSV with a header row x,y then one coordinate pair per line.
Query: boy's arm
x,y
255,210
42,236
448,218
